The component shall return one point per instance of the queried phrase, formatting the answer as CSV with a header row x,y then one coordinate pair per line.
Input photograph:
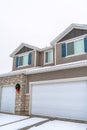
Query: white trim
x,y
51,81
35,58
22,66
13,73
48,63
30,100
67,30
55,54
25,53
75,54
46,48
58,67
67,56
21,46
36,70
44,57
59,80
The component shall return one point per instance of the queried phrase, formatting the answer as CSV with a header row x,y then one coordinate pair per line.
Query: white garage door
x,y
65,100
8,99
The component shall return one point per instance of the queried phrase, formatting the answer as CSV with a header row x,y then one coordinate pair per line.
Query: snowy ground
x,y
5,118
13,122
60,125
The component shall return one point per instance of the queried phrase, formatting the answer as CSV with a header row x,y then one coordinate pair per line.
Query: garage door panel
x,y
66,100
8,99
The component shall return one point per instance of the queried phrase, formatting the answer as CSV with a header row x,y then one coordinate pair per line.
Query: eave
x,y
37,70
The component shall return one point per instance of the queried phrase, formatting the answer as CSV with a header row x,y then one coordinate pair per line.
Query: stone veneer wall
x,y
27,100
21,106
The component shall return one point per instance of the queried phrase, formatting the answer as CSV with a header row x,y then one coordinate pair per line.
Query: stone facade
x,y
27,100
21,98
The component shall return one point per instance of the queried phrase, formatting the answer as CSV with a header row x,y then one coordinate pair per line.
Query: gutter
x,y
36,70
58,67
12,73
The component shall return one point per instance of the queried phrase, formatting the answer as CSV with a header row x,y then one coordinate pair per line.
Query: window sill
x,y
48,63
23,66
75,55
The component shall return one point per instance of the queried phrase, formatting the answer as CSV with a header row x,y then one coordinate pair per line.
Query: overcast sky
x,y
35,22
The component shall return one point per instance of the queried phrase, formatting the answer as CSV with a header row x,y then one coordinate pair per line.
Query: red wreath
x,y
17,87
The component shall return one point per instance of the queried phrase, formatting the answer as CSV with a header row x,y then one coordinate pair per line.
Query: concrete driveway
x,y
14,122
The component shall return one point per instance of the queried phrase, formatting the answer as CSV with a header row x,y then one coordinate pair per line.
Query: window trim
x,y
81,38
23,54
67,51
19,61
46,63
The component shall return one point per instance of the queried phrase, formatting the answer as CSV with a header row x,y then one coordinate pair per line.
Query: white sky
x,y
35,22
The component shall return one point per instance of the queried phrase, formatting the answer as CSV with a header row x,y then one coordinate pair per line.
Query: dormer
x,y
71,44
24,56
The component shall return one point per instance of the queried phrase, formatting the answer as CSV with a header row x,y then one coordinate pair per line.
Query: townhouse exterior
x,y
52,81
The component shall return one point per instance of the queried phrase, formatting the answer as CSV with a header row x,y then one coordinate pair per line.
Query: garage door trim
x,y
50,81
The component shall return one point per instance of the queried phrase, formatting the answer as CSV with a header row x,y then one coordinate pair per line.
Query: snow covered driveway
x,y
6,119
14,122
60,125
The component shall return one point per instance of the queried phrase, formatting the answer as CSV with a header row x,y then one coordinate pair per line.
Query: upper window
x,y
74,48
79,46
70,48
24,60
48,56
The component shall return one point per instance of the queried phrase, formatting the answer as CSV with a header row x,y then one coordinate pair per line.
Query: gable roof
x,y
67,30
21,46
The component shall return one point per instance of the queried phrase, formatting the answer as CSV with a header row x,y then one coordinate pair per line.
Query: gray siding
x,y
24,49
37,58
61,60
61,74
74,33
